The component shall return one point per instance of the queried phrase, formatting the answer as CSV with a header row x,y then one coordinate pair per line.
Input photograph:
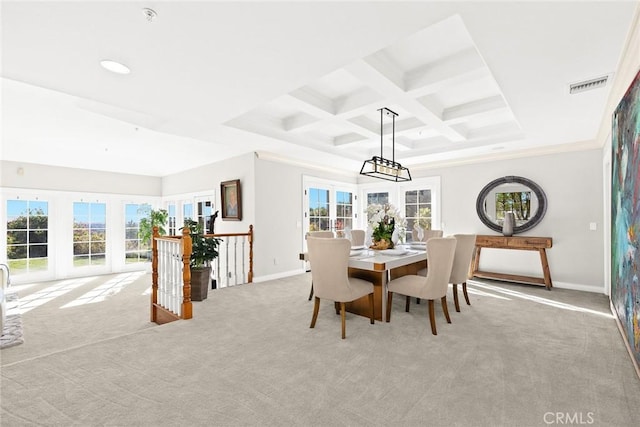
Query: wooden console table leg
x,y
476,262
545,269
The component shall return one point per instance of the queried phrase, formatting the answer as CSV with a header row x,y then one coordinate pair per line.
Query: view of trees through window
x,y
319,209
89,233
135,250
344,206
187,211
377,198
27,235
518,202
417,206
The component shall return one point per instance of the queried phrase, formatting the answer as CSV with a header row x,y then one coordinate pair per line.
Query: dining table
x,y
379,267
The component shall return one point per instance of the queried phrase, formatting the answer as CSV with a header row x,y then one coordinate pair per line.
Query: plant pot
x,y
200,283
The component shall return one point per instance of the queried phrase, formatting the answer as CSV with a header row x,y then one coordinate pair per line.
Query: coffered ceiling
x,y
302,81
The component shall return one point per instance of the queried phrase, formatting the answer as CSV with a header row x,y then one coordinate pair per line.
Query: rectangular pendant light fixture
x,y
378,166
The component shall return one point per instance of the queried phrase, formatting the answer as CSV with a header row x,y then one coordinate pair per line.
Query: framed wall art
x,y
231,200
625,218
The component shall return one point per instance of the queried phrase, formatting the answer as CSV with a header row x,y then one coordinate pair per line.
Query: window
x,y
380,198
135,250
27,235
377,199
344,207
417,209
89,233
187,211
418,201
205,211
329,205
319,209
171,210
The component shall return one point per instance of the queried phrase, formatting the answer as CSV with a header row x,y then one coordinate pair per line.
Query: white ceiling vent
x,y
588,84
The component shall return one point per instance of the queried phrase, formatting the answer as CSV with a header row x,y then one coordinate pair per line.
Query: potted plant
x,y
156,218
203,251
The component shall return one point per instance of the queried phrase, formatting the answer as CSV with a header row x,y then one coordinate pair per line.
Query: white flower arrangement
x,y
384,219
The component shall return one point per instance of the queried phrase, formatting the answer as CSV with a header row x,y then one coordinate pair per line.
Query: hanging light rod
x,y
378,166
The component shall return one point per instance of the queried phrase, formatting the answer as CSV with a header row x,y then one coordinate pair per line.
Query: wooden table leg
x,y
361,305
545,269
476,261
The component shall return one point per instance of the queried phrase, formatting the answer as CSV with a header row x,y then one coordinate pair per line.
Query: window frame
x,y
50,258
90,241
397,196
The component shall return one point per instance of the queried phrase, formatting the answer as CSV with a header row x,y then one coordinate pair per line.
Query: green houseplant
x,y
157,218
203,251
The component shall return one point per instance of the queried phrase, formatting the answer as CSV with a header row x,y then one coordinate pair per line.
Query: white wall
x,y
278,215
571,181
573,186
43,177
272,202
206,180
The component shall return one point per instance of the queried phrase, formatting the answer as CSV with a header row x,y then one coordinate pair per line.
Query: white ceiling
x,y
301,80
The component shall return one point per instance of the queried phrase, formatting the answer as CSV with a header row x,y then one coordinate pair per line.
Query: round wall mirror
x,y
514,194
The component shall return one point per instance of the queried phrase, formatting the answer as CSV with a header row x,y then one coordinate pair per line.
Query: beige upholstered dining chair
x,y
329,260
440,253
318,234
426,234
323,234
357,237
461,262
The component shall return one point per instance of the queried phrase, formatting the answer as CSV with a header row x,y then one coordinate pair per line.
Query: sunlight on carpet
x,y
12,331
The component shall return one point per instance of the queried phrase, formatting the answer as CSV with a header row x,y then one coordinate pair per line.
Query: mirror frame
x,y
542,203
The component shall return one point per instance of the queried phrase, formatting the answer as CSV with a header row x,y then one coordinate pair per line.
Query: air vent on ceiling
x,y
588,84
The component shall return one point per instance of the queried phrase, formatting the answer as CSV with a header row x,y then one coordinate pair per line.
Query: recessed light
x,y
115,67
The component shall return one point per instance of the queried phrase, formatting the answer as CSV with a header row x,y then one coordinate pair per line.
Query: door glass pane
x,y
344,208
135,250
318,209
171,210
38,215
89,233
417,210
205,211
27,235
377,198
187,211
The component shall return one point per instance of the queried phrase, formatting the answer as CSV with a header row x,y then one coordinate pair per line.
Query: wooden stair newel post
x,y
187,305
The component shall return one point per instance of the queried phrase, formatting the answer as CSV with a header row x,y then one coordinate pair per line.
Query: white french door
x,y
329,205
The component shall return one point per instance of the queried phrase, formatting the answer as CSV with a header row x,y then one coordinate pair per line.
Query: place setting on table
x,y
386,234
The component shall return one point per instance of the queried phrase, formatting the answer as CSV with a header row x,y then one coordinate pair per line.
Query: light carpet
x,y
518,356
12,330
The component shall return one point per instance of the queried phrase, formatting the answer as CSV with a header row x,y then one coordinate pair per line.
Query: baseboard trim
x,y
579,287
559,285
278,275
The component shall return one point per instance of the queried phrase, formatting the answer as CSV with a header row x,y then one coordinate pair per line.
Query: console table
x,y
524,243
